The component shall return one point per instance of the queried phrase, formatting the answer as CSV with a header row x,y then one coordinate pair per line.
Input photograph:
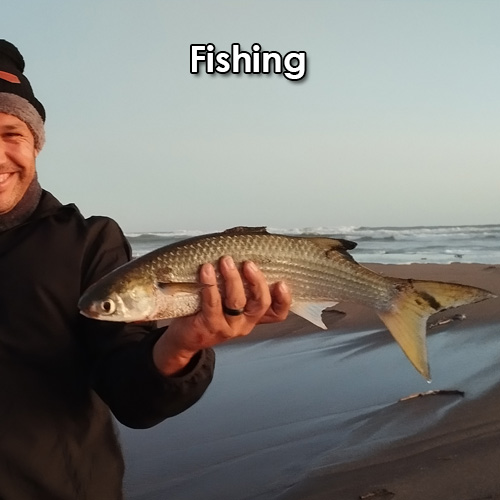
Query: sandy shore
x,y
294,413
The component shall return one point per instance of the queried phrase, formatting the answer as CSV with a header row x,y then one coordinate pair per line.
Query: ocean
x,y
385,245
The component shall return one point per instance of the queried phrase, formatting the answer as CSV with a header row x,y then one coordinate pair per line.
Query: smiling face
x,y
17,161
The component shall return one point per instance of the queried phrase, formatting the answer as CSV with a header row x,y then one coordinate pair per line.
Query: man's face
x,y
17,161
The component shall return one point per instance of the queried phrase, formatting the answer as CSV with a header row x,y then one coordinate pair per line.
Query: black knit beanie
x,y
16,94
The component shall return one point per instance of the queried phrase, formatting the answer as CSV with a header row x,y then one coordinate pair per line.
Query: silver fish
x,y
319,272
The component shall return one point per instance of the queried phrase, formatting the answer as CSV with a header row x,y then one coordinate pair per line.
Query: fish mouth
x,y
89,313
88,309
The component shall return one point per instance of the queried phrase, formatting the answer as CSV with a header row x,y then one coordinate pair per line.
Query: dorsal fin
x,y
333,245
246,230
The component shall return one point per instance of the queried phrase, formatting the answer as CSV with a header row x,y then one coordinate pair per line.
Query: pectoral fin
x,y
175,288
311,311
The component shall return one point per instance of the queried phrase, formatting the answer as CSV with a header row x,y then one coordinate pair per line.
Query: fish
x,y
319,271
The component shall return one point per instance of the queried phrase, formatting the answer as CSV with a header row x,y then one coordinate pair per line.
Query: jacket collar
x,y
47,206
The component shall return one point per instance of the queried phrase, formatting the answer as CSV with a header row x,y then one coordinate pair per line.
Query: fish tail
x,y
414,302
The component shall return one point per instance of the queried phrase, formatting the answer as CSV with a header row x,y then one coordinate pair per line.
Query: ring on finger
x,y
233,312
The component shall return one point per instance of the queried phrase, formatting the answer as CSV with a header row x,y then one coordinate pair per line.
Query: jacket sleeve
x,y
120,355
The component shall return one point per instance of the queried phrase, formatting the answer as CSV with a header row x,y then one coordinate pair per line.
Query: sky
x,y
395,123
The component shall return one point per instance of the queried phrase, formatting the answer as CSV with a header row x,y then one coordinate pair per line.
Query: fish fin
x,y
246,230
414,303
329,244
408,328
173,287
311,311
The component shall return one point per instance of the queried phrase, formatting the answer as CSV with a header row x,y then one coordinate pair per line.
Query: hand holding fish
x,y
213,324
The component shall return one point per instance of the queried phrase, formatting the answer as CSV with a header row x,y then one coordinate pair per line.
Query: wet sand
x,y
294,413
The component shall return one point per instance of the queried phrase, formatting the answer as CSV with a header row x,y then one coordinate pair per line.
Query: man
x,y
61,373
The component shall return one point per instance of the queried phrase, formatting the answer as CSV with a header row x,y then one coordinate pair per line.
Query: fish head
x,y
125,301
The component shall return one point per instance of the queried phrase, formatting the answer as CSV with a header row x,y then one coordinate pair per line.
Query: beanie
x,y
16,94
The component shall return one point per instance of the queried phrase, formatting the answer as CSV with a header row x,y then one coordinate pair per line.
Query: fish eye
x,y
108,306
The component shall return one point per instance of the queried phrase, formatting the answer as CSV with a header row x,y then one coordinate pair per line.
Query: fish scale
x,y
319,272
297,261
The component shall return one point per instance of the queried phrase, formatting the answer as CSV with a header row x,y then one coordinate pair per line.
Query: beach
x,y
296,413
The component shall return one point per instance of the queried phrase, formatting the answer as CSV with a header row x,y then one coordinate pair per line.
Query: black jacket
x,y
61,372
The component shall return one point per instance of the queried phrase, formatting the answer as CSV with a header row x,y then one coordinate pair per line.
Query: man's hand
x,y
211,325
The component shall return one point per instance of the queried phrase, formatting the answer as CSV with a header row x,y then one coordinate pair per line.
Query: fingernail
x,y
229,262
251,266
207,271
283,287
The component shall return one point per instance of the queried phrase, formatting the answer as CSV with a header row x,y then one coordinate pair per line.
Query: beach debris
x,y
319,271
440,392
445,321
382,493
491,268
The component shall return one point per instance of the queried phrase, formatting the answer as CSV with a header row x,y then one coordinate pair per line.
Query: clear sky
x,y
397,122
